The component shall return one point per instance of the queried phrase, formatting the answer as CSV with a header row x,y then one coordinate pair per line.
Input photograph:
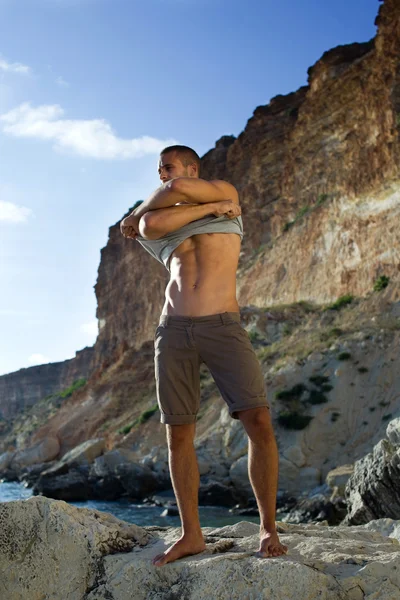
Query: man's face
x,y
170,167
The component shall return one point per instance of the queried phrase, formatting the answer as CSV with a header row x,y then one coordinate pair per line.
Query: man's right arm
x,y
157,223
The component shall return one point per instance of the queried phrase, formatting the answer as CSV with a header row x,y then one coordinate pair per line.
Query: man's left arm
x,y
183,190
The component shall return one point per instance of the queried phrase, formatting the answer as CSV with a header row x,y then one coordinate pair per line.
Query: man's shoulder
x,y
227,188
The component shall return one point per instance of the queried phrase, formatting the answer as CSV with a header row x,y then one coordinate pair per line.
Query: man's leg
x,y
263,474
185,480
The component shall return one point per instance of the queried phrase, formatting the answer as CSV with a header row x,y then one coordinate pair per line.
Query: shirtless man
x,y
200,323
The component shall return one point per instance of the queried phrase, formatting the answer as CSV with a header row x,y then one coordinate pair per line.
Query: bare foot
x,y
270,545
185,546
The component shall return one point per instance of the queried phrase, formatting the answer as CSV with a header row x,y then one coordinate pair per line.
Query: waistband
x,y
223,318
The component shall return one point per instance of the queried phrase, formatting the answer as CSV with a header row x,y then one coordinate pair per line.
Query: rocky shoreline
x,y
49,549
352,494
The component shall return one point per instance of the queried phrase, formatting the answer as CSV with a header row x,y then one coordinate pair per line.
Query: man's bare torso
x,y
203,276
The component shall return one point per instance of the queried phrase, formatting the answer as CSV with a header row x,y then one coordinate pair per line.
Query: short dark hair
x,y
187,155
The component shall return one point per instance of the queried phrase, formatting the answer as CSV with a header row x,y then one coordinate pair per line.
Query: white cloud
x,y
61,82
12,213
90,328
93,138
38,359
14,67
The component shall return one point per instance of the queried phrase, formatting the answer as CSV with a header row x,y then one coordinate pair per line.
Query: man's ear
x,y
192,170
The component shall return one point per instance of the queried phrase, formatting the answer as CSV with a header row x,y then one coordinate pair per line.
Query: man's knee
x,y
257,421
179,435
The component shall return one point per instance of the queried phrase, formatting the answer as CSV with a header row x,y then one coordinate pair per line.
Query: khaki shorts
x,y
183,343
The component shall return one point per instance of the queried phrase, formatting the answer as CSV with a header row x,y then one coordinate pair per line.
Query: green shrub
x,y
125,430
335,416
387,417
326,387
344,356
303,211
72,388
383,403
316,397
321,199
318,379
292,394
254,336
381,283
341,302
145,416
372,408
362,370
288,225
293,420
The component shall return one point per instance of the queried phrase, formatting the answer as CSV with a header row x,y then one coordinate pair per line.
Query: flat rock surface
x,y
341,563
50,550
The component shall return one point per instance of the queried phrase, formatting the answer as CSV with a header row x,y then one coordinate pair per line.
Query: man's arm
x,y
184,190
157,223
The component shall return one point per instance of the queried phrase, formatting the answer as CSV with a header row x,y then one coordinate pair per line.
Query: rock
x,y
5,460
214,493
72,486
44,451
373,491
316,509
295,455
170,511
29,475
323,562
84,454
204,466
239,476
337,478
116,474
393,432
49,549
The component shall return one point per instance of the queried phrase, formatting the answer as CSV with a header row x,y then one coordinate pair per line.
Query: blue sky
x,y
90,91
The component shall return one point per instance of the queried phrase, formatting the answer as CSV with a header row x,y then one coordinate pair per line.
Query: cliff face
x,y
326,157
22,389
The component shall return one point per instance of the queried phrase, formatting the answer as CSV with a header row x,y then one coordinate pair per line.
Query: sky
x,y
90,92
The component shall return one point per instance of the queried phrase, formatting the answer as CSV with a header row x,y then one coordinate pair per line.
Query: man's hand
x,y
130,227
228,208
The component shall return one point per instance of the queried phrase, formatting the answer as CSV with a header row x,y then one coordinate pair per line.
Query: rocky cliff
x,y
317,173
24,388
318,176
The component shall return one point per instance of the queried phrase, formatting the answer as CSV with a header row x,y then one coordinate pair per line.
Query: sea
x,y
140,514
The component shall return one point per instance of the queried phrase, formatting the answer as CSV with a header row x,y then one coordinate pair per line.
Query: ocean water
x,y
140,514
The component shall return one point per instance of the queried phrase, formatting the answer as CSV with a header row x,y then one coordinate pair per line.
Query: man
x,y
194,228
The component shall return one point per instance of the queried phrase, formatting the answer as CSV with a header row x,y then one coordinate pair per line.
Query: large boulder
x,y
117,473
82,455
72,486
214,493
49,549
5,461
44,451
337,478
373,491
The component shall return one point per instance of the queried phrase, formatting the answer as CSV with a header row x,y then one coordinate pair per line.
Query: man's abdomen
x,y
203,276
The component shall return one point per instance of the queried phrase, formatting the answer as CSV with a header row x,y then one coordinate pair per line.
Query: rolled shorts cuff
x,y
177,419
256,402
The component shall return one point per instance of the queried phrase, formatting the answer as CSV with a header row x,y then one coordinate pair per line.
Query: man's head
x,y
178,161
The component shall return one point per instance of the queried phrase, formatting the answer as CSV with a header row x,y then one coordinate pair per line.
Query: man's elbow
x,y
148,227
